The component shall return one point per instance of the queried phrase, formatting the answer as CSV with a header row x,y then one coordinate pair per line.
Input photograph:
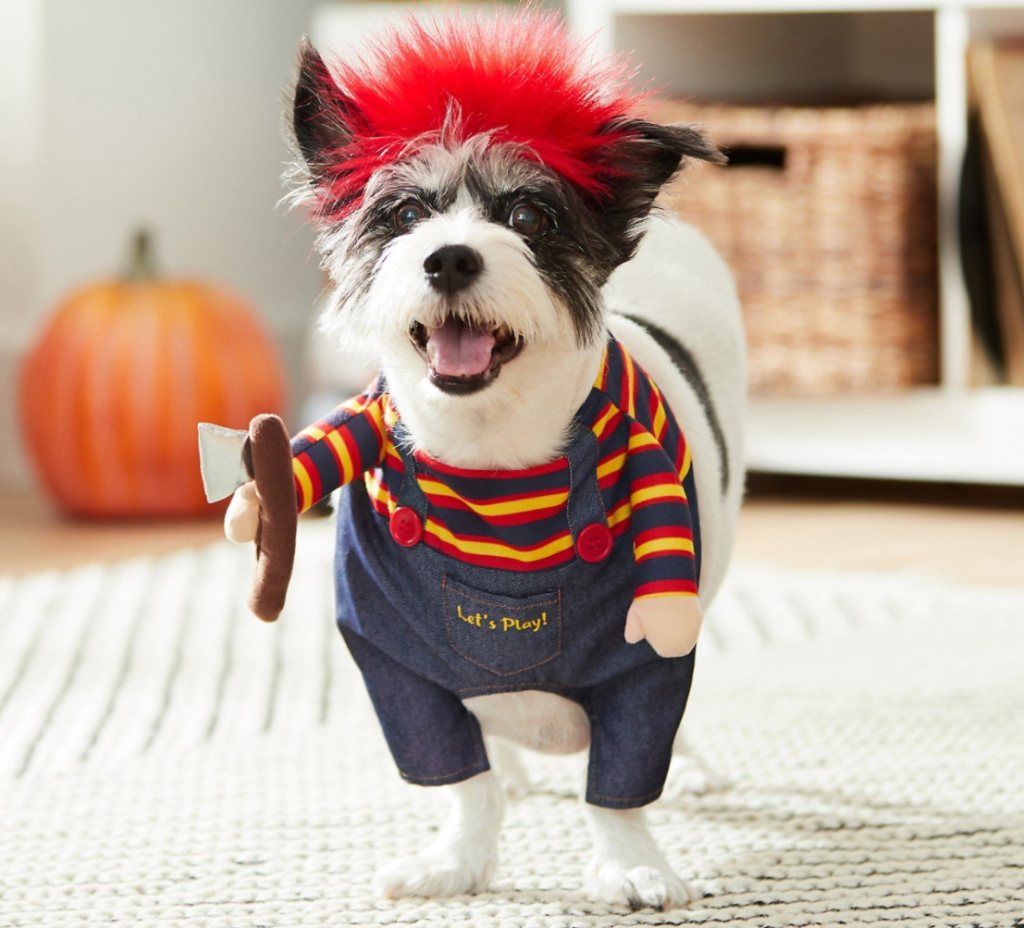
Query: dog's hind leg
x,y
628,868
508,765
463,858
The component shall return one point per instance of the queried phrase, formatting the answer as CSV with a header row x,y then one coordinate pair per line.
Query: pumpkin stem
x,y
141,264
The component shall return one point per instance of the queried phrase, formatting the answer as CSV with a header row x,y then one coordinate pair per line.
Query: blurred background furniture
x,y
992,203
822,51
827,217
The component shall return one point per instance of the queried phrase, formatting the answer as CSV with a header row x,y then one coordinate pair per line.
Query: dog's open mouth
x,y
462,358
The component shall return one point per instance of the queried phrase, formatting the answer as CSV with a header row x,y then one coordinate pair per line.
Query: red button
x,y
594,543
406,527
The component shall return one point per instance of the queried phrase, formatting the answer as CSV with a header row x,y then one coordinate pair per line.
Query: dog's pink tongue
x,y
457,350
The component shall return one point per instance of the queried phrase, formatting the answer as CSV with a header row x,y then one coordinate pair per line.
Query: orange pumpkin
x,y
123,372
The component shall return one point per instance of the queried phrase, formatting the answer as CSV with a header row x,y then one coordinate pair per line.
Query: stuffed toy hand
x,y
242,520
670,624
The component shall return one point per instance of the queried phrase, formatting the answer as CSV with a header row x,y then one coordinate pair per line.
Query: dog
x,y
485,191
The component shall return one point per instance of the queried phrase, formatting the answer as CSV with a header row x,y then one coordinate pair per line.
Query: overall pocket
x,y
503,634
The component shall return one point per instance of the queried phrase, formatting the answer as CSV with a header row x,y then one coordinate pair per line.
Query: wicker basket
x,y
827,217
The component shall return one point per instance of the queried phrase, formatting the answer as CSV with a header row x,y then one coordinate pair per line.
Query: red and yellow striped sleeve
x,y
337,450
643,472
661,522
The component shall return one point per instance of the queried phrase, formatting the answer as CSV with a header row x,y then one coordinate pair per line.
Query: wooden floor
x,y
977,544
34,536
969,536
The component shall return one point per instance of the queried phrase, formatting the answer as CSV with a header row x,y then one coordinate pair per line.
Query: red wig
x,y
517,78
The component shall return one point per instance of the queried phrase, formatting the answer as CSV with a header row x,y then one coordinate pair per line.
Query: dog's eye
x,y
408,214
527,219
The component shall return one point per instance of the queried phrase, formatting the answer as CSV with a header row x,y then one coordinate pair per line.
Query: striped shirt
x,y
517,519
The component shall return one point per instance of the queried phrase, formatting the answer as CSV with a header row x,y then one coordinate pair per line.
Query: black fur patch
x,y
374,224
319,129
687,365
314,133
638,167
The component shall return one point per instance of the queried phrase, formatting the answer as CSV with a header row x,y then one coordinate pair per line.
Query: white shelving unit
x,y
947,433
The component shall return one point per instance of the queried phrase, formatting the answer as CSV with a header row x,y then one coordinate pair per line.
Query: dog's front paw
x,y
451,872
638,886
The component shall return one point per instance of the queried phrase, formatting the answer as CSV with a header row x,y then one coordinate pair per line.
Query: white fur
x,y
464,856
533,719
506,761
627,866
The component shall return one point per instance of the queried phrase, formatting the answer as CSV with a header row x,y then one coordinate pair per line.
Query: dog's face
x,y
467,260
460,259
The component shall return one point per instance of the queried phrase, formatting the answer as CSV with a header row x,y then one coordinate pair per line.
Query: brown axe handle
x,y
268,458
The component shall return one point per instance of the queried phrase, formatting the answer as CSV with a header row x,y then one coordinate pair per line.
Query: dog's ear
x,y
644,157
323,118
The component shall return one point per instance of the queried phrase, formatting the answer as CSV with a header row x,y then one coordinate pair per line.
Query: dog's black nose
x,y
453,267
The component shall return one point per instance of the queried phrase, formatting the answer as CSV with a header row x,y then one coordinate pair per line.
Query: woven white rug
x,y
165,759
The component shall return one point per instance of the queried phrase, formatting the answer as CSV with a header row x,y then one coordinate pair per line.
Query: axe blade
x,y
221,460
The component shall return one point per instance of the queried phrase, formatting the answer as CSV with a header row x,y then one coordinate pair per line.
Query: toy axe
x,y
228,459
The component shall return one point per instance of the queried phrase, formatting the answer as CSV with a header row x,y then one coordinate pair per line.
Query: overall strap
x,y
410,493
585,507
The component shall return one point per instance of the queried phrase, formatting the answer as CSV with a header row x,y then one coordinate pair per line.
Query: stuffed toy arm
x,y
665,608
326,456
332,453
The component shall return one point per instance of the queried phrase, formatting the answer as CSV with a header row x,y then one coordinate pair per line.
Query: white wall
x,y
20,50
120,112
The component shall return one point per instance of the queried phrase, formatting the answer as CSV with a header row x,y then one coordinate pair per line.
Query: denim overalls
x,y
427,630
